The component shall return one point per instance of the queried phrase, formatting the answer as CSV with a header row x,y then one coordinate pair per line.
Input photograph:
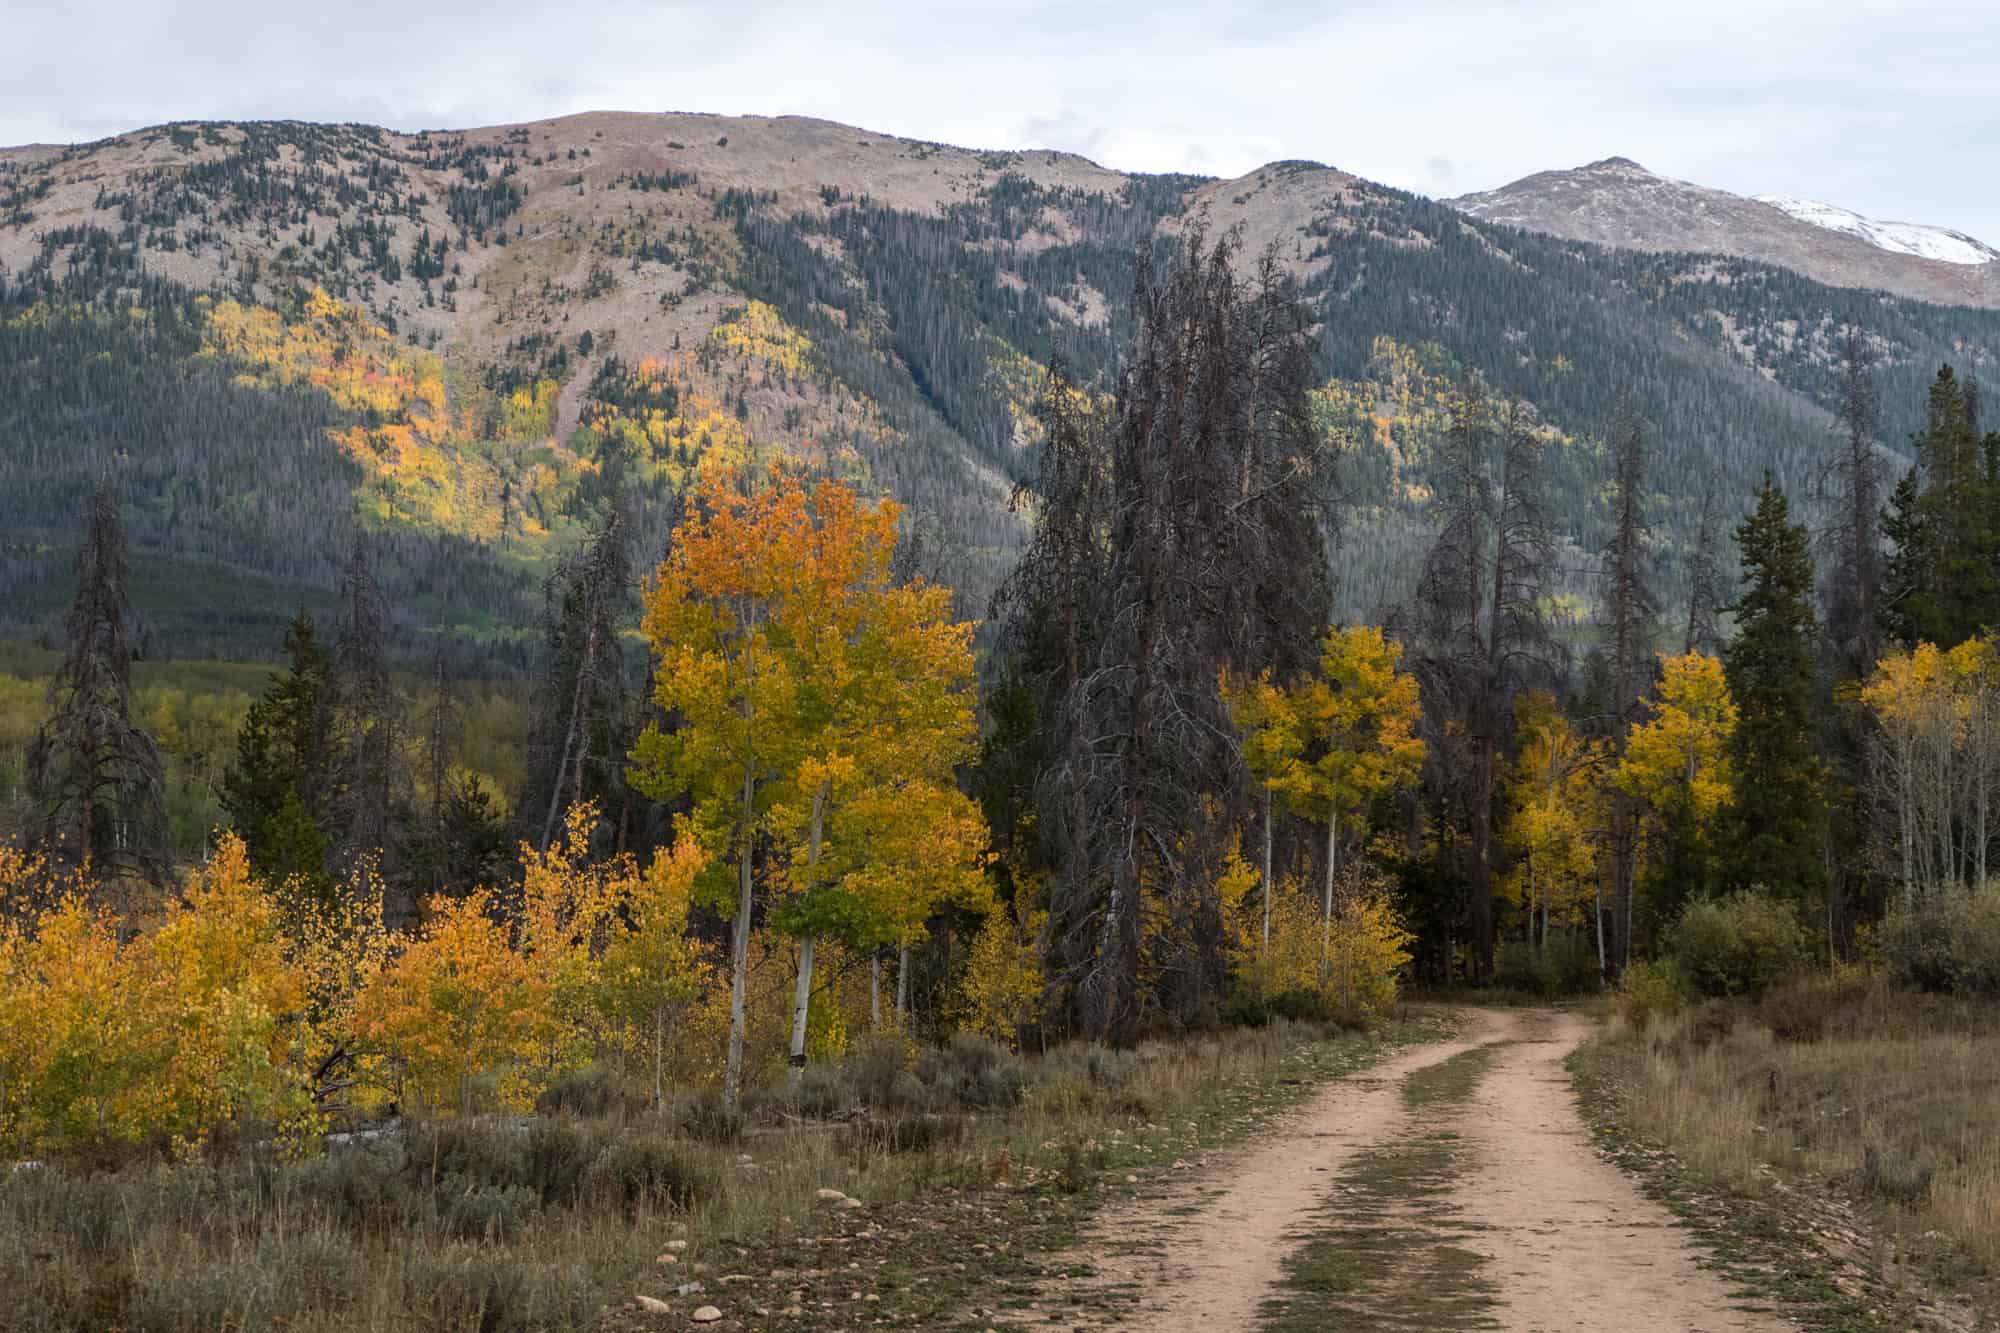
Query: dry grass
x,y
1890,1098
966,1161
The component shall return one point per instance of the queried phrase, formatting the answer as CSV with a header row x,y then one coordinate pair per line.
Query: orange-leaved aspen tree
x,y
804,681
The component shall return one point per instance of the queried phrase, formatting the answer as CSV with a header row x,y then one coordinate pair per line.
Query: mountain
x,y
1618,202
1902,238
466,345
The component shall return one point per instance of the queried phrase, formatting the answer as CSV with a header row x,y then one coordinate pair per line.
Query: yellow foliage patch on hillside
x,y
760,334
424,464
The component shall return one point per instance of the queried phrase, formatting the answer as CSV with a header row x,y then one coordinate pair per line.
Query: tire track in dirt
x,y
1209,1252
1569,1240
1561,1239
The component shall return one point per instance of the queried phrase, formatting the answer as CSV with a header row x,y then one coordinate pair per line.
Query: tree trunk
x,y
584,669
801,1003
903,986
1601,973
1267,870
739,959
802,999
1326,903
875,991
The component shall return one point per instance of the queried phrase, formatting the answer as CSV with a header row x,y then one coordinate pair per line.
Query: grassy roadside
x,y
969,1173
1384,1251
958,1237
1831,1144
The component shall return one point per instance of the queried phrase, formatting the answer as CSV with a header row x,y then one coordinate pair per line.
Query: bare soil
x,y
1560,1238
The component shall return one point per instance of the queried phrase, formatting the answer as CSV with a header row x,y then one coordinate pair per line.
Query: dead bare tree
x,y
1480,618
1182,531
1629,613
95,775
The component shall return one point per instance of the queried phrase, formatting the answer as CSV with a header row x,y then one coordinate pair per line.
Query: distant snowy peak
x,y
1903,238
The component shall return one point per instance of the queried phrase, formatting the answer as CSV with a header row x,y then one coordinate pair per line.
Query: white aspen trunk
x,y
875,991
1326,904
739,958
1267,870
1601,974
801,1004
660,1060
802,997
739,935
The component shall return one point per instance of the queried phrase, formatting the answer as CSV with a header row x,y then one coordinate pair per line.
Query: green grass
x,y
1387,1249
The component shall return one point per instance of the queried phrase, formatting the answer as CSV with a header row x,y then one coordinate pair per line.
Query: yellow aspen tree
x,y
653,972
458,1003
1267,717
717,620
1360,716
1676,762
805,682
1551,823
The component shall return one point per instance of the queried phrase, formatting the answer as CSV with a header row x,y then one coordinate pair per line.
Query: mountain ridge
x,y
466,344
1615,201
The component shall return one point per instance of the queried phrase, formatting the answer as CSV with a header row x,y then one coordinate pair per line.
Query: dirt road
x,y
1454,1186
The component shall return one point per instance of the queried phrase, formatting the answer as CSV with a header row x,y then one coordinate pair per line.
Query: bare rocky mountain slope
x,y
467,345
1617,202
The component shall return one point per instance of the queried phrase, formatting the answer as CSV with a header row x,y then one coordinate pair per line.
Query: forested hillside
x,y
468,346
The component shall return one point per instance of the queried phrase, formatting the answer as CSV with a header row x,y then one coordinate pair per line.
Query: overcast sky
x,y
1891,109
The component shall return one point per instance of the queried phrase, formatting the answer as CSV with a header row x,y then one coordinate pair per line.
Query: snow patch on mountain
x,y
1903,238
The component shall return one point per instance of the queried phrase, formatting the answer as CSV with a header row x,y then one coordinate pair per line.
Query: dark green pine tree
x,y
95,775
283,755
1777,831
1943,520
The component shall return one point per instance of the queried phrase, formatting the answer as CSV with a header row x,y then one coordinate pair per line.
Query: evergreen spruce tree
x,y
276,788
1777,832
94,774
1943,584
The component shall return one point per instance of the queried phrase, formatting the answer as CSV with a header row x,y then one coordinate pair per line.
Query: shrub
x,y
878,1069
595,1093
1565,964
1739,945
973,1073
487,1212
1949,942
1805,1008
648,1171
1649,990
1342,971
819,1094
705,1119
908,1133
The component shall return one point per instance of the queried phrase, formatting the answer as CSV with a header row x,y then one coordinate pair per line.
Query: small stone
x,y
1131,1180
677,1245
687,1289
707,1314
830,1196
850,1205
652,1305
669,1259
